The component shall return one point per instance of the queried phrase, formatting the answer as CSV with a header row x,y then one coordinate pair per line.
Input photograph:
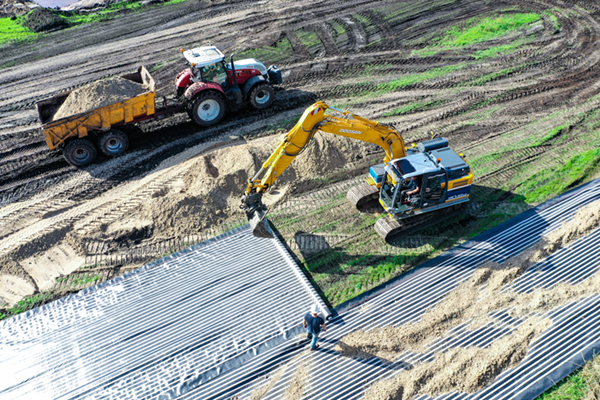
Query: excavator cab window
x,y
388,190
435,189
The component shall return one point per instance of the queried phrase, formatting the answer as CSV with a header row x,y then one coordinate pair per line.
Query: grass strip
x,y
482,29
551,182
13,30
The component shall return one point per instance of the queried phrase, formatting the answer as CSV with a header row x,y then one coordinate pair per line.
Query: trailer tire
x,y
80,152
261,96
208,109
113,143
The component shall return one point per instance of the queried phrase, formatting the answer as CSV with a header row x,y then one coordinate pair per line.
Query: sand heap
x,y
472,302
460,369
297,385
98,94
210,192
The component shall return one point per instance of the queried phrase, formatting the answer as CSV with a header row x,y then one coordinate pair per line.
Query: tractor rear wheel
x,y
113,143
208,109
80,152
261,96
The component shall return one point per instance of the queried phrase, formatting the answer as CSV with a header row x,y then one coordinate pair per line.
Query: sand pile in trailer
x,y
210,191
471,302
98,94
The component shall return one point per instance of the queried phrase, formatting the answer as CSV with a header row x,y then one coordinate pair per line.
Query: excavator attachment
x,y
260,225
255,211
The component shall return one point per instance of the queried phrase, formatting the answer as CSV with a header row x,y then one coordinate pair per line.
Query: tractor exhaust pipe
x,y
235,84
255,211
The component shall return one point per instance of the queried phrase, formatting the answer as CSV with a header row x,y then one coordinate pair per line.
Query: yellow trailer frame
x,y
101,119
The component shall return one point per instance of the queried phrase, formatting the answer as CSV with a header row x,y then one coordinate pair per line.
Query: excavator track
x,y
389,228
361,194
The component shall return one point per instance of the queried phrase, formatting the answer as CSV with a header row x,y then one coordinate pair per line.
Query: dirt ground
x,y
517,106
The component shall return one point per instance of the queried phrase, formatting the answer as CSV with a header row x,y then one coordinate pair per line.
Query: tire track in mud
x,y
550,72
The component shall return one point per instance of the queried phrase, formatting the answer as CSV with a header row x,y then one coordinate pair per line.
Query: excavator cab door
x,y
435,186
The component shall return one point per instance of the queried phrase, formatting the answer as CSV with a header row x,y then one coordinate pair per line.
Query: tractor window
x,y
435,188
215,73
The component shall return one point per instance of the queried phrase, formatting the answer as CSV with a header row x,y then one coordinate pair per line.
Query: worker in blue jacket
x,y
313,324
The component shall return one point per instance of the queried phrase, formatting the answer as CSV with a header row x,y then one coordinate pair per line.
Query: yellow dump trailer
x,y
80,135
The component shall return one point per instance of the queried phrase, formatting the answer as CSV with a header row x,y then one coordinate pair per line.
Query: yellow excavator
x,y
411,183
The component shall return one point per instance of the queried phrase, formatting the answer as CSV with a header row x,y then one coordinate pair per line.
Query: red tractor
x,y
210,86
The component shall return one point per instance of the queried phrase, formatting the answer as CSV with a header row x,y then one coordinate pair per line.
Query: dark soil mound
x,y
45,19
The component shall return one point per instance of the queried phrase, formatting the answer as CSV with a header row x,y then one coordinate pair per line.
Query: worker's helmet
x,y
314,309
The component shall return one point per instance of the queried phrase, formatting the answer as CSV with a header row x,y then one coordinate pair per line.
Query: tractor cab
x,y
430,177
207,65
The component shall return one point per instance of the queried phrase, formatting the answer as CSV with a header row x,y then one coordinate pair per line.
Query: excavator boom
x,y
296,141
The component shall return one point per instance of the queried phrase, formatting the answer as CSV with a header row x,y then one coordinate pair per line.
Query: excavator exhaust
x,y
255,211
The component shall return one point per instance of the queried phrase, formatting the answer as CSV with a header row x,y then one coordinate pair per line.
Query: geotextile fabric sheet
x,y
572,338
160,330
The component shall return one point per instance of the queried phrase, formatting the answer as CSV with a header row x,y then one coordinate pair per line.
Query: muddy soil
x,y
97,95
503,99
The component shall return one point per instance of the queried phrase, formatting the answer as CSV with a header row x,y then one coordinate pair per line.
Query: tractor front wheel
x,y
208,109
80,152
261,96
113,143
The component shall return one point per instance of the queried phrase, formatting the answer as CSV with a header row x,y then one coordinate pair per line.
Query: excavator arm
x,y
296,141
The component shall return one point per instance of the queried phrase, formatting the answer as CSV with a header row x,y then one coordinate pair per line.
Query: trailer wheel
x,y
80,152
261,96
113,143
208,109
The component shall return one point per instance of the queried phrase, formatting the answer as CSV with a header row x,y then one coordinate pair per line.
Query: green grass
x,y
551,182
412,79
413,107
13,30
583,384
477,30
482,29
497,50
27,304
573,387
85,280
481,80
270,54
110,12
339,29
554,133
554,20
309,38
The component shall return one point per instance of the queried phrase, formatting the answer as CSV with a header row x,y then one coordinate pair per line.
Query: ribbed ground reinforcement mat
x,y
159,330
288,370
